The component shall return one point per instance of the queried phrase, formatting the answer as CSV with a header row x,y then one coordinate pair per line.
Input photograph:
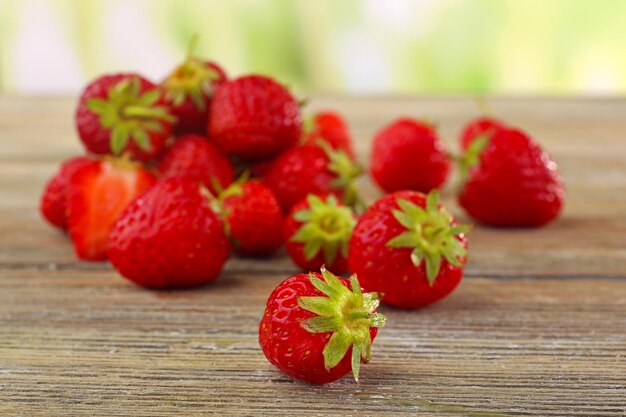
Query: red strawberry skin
x,y
333,129
191,118
97,193
516,183
255,220
53,205
294,350
408,155
479,127
296,249
194,157
254,118
300,171
95,137
169,238
389,270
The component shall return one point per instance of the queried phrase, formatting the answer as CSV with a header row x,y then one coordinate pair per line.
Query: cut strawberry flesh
x,y
99,192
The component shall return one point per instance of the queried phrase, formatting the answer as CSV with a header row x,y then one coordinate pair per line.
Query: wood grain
x,y
538,327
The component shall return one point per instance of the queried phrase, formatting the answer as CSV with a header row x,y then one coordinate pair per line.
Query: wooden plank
x,y
557,251
91,344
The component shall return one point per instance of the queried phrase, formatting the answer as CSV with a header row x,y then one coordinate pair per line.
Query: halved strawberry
x,y
97,193
53,205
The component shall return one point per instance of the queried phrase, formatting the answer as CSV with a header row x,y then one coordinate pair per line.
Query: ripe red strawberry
x,y
254,118
317,232
193,156
409,248
53,204
188,91
317,327
123,112
97,193
169,237
511,181
330,127
408,155
254,218
309,169
479,127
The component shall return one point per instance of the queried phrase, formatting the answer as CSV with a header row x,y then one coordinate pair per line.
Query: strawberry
x,y
254,118
330,127
309,169
193,156
318,327
409,248
510,181
253,216
317,232
478,127
123,112
169,237
408,155
189,89
98,191
53,204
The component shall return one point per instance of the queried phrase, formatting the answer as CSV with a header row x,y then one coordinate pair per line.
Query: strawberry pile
x,y
179,175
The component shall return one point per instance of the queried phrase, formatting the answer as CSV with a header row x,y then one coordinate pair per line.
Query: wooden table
x,y
538,326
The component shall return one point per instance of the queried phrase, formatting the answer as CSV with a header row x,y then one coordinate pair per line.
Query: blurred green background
x,y
547,47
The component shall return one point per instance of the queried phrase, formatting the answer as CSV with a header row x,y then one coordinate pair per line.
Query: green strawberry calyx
x,y
192,79
346,172
130,114
346,312
216,202
235,189
308,125
326,227
471,156
431,233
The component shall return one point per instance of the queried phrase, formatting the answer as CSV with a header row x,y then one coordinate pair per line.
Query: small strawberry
x,y
97,192
123,112
53,204
193,156
510,181
330,127
169,237
318,327
254,118
188,91
479,127
253,216
309,169
409,248
317,232
408,155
